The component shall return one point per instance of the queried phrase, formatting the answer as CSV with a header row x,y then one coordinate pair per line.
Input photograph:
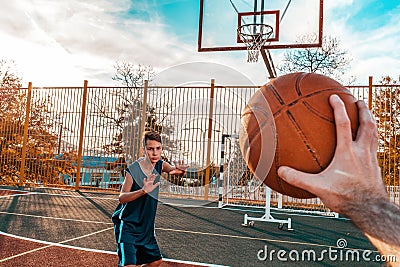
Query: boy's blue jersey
x,y
134,221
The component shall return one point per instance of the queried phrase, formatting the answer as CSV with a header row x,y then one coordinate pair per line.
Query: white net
x,y
254,36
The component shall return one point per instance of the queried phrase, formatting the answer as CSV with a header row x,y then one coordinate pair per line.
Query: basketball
x,y
293,111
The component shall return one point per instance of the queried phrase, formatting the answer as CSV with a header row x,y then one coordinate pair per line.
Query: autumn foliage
x,y
42,163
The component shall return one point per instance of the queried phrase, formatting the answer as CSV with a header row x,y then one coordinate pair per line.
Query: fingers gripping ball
x,y
303,120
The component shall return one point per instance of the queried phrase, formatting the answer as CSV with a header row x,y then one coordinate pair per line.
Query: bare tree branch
x,y
329,59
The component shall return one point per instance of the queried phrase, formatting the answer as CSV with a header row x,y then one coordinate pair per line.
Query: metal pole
x,y
266,55
254,16
210,130
25,137
221,172
370,92
81,133
262,10
204,148
60,138
221,169
144,117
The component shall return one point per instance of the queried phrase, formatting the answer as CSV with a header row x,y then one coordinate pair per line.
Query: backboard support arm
x,y
269,64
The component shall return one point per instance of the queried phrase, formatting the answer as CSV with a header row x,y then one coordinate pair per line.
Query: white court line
x,y
287,212
53,244
190,232
50,244
164,229
175,230
184,205
194,263
17,190
53,218
54,194
75,196
256,238
162,202
165,202
16,195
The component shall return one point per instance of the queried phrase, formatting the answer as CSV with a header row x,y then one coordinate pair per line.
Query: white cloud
x,y
329,5
65,42
374,51
62,43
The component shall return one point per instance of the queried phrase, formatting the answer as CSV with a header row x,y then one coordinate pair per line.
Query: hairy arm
x,y
352,183
379,221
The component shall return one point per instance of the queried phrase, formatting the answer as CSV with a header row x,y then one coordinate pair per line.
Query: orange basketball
x,y
293,111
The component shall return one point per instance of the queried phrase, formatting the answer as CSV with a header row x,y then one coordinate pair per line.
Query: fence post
x,y
370,92
25,137
143,121
210,130
81,133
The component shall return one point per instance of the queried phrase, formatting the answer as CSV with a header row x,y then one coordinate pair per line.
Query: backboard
x,y
295,23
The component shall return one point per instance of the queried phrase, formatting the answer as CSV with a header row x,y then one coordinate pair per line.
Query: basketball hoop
x,y
254,35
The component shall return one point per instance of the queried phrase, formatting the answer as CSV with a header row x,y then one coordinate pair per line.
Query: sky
x,y
63,43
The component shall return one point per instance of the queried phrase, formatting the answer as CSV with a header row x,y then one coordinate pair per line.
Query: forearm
x,y
125,197
379,220
178,169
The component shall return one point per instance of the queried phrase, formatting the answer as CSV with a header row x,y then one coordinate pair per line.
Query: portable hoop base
x,y
267,217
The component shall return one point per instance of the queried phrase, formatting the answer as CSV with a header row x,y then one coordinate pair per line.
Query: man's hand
x,y
352,183
353,177
148,183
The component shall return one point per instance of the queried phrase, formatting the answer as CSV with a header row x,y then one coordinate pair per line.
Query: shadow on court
x,y
54,227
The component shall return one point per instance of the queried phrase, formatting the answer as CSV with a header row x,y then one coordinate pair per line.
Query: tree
x,y
329,59
386,107
132,76
8,76
41,164
126,120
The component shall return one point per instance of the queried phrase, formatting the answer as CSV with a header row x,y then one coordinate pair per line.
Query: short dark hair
x,y
150,135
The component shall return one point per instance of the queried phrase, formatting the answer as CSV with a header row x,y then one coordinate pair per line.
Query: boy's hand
x,y
180,168
148,183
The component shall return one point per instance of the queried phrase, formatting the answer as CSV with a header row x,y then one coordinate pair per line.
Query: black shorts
x,y
137,254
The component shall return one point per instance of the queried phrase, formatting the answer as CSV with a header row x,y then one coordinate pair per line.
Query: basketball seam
x,y
343,90
315,112
298,80
260,124
276,94
303,137
279,181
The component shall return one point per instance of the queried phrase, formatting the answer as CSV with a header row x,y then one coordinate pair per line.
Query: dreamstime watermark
x,y
334,254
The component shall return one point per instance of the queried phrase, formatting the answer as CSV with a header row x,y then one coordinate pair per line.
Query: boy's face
x,y
153,150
